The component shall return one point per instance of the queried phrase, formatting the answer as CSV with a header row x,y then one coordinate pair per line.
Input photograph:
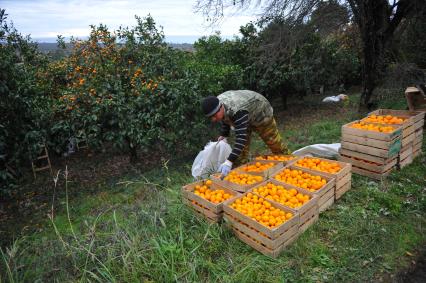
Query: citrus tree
x,y
24,108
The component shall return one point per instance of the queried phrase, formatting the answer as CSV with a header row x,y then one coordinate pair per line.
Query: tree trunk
x,y
284,97
133,153
373,24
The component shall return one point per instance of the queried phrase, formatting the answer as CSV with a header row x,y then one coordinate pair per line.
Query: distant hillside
x,y
48,47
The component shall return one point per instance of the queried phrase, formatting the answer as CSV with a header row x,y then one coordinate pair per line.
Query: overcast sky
x,y
49,18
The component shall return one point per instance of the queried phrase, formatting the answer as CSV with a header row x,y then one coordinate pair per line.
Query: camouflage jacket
x,y
258,107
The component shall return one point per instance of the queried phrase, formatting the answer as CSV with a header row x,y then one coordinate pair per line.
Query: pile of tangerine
x,y
257,167
261,210
382,119
289,197
275,157
214,196
301,179
372,127
243,179
319,165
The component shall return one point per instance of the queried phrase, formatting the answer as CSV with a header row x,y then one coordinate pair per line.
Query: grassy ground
x,y
134,227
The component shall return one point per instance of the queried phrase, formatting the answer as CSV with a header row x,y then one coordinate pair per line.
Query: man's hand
x,y
225,168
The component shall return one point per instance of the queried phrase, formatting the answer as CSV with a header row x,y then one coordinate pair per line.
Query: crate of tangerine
x,y
238,181
339,170
206,198
302,201
372,149
262,224
277,158
261,167
317,183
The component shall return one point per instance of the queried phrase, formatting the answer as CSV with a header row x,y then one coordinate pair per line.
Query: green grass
x,y
138,230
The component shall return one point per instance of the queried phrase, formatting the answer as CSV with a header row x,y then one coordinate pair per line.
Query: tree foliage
x,y
25,113
123,88
377,21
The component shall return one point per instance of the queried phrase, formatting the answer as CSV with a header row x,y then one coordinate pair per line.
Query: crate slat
x,y
377,168
342,181
407,140
326,201
385,153
368,141
308,223
364,156
342,190
408,151
374,175
203,211
264,250
419,125
406,161
269,243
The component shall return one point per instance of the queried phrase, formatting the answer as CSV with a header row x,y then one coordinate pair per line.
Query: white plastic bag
x,y
210,158
336,98
330,151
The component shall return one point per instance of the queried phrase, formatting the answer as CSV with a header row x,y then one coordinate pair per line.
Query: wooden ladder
x,y
82,143
41,157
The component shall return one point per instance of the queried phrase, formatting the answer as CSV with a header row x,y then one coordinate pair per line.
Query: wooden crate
x,y
378,136
270,242
325,193
308,212
265,157
266,173
343,177
236,187
415,115
378,144
407,126
213,212
368,165
371,154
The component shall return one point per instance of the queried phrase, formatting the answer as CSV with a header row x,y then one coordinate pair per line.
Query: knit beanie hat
x,y
210,105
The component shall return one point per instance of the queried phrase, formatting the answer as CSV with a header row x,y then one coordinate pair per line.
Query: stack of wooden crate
x,y
375,154
372,154
267,240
